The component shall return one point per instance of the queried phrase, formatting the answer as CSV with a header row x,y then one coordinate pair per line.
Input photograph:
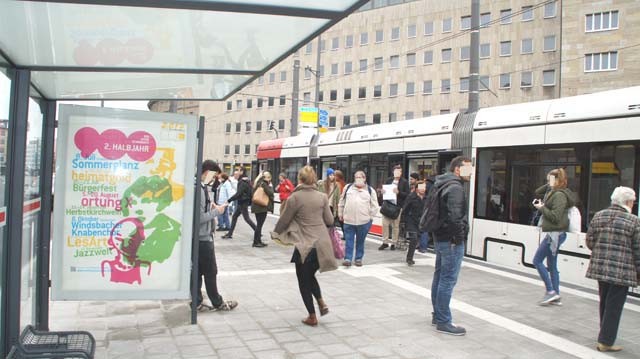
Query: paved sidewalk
x,y
381,310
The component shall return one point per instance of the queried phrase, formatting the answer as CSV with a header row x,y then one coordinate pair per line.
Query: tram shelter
x,y
75,50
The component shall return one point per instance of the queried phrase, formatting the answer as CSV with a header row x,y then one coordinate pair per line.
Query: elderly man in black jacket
x,y
401,190
449,242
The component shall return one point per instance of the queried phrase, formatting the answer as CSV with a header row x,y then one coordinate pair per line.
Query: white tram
x,y
595,138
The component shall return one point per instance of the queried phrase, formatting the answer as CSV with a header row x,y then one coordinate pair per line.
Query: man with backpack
x,y
358,204
243,196
446,216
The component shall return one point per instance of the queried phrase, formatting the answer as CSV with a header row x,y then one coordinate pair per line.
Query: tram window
x,y
424,167
611,166
291,166
491,194
359,163
378,170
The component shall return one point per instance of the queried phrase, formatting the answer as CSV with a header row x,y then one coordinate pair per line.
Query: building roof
x,y
156,49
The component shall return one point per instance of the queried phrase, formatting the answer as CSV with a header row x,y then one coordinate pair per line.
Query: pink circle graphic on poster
x,y
112,144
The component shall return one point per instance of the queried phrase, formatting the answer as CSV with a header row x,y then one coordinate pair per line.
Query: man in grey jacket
x,y
207,266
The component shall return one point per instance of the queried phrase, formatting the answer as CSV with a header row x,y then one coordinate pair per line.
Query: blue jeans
x,y
223,219
550,277
360,233
448,262
424,241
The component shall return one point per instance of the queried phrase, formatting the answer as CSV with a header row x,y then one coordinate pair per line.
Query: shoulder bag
x,y
260,197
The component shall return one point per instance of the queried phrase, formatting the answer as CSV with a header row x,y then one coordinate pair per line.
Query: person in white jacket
x,y
224,193
357,207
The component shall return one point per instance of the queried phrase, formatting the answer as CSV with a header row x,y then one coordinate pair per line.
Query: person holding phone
x,y
554,206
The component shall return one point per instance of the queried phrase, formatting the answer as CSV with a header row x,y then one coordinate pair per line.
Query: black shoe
x,y
383,247
259,245
450,328
393,247
227,236
222,229
410,262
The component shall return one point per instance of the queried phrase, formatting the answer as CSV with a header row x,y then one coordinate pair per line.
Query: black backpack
x,y
430,220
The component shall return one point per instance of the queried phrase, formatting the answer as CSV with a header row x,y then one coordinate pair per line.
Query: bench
x,y
40,344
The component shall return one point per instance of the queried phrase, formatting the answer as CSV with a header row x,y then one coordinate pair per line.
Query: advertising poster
x,y
123,204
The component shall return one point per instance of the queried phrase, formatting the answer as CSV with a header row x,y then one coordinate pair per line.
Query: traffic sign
x,y
308,115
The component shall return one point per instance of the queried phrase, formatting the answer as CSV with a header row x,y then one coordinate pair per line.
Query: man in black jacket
x,y
449,242
243,196
401,190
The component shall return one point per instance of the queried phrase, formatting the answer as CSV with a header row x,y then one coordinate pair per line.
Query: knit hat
x,y
415,176
329,171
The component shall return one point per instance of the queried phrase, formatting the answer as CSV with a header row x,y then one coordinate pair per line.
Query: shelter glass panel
x,y
5,91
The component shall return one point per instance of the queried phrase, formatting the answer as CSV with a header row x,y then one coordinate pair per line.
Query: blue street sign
x,y
324,113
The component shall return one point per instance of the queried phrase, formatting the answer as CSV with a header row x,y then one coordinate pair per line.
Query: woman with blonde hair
x,y
262,181
302,226
554,206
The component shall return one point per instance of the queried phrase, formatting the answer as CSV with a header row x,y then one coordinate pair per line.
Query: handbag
x,y
390,210
336,243
260,197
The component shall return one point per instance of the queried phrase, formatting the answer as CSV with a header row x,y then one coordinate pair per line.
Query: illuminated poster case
x,y
123,204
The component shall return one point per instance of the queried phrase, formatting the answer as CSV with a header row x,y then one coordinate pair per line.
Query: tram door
x,y
342,164
444,160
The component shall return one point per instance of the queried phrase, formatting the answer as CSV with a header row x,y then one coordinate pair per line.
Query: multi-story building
x,y
397,60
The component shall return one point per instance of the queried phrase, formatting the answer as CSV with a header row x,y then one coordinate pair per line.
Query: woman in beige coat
x,y
301,226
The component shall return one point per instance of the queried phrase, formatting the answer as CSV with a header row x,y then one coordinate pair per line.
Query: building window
x,y
260,102
393,117
258,126
364,38
347,94
505,16
332,121
549,78
334,69
229,105
394,61
485,51
505,81
411,59
346,121
236,149
362,119
238,127
227,127
483,83
363,65
446,55
309,48
321,71
465,23
393,90
261,80
550,10
549,43
335,43
408,115
272,77
427,87
247,149
411,88
601,21
238,104
505,48
527,13
306,97
445,86
377,63
377,91
333,95
485,19
447,25
249,103
464,84
348,42
426,113
379,36
526,46
283,76
307,73
395,34
321,96
412,31
348,67
428,57
526,79
227,149
282,100
377,118
362,92
445,111
428,28
271,101
322,46
605,61
465,53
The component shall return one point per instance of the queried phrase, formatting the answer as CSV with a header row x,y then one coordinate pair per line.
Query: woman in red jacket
x,y
284,188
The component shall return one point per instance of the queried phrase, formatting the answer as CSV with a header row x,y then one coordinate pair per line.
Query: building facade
x,y
398,60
